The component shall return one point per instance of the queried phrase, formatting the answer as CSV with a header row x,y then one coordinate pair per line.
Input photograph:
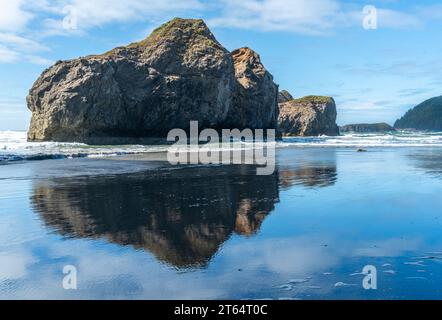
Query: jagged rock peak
x,y
255,105
284,96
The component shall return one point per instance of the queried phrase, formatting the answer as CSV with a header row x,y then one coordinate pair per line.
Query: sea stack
x,y
180,73
308,116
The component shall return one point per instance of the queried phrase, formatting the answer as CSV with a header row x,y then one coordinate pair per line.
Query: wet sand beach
x,y
145,229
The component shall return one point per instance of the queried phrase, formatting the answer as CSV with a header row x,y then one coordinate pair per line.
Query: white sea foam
x,y
14,147
398,139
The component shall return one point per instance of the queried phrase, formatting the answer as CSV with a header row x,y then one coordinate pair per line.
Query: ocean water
x,y
14,147
138,229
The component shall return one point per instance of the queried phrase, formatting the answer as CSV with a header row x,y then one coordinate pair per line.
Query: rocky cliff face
x,y
308,116
178,74
284,96
366,128
425,116
255,100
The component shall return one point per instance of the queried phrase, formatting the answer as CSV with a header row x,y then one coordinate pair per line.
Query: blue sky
x,y
310,46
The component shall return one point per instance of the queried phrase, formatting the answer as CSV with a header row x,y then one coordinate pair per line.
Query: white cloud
x,y
98,13
14,48
398,20
21,21
35,59
361,105
14,265
20,43
7,55
12,16
47,15
304,16
7,100
430,11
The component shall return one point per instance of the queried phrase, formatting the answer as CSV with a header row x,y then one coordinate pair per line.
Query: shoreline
x,y
6,160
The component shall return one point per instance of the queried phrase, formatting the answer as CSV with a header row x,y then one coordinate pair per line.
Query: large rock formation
x,y
425,116
308,116
255,101
366,128
178,74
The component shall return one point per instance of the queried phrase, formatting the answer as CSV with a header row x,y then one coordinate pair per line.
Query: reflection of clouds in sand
x,y
121,273
107,274
114,272
14,233
17,224
14,265
429,161
298,256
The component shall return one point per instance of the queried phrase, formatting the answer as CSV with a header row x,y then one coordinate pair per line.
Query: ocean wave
x,y
396,139
14,146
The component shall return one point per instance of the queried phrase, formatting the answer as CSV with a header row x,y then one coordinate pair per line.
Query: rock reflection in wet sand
x,y
181,216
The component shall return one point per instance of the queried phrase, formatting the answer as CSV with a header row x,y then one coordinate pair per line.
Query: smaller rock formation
x,y
366,128
284,96
426,116
308,116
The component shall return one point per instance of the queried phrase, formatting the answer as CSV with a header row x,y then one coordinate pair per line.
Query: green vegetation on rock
x,y
314,100
196,27
176,28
